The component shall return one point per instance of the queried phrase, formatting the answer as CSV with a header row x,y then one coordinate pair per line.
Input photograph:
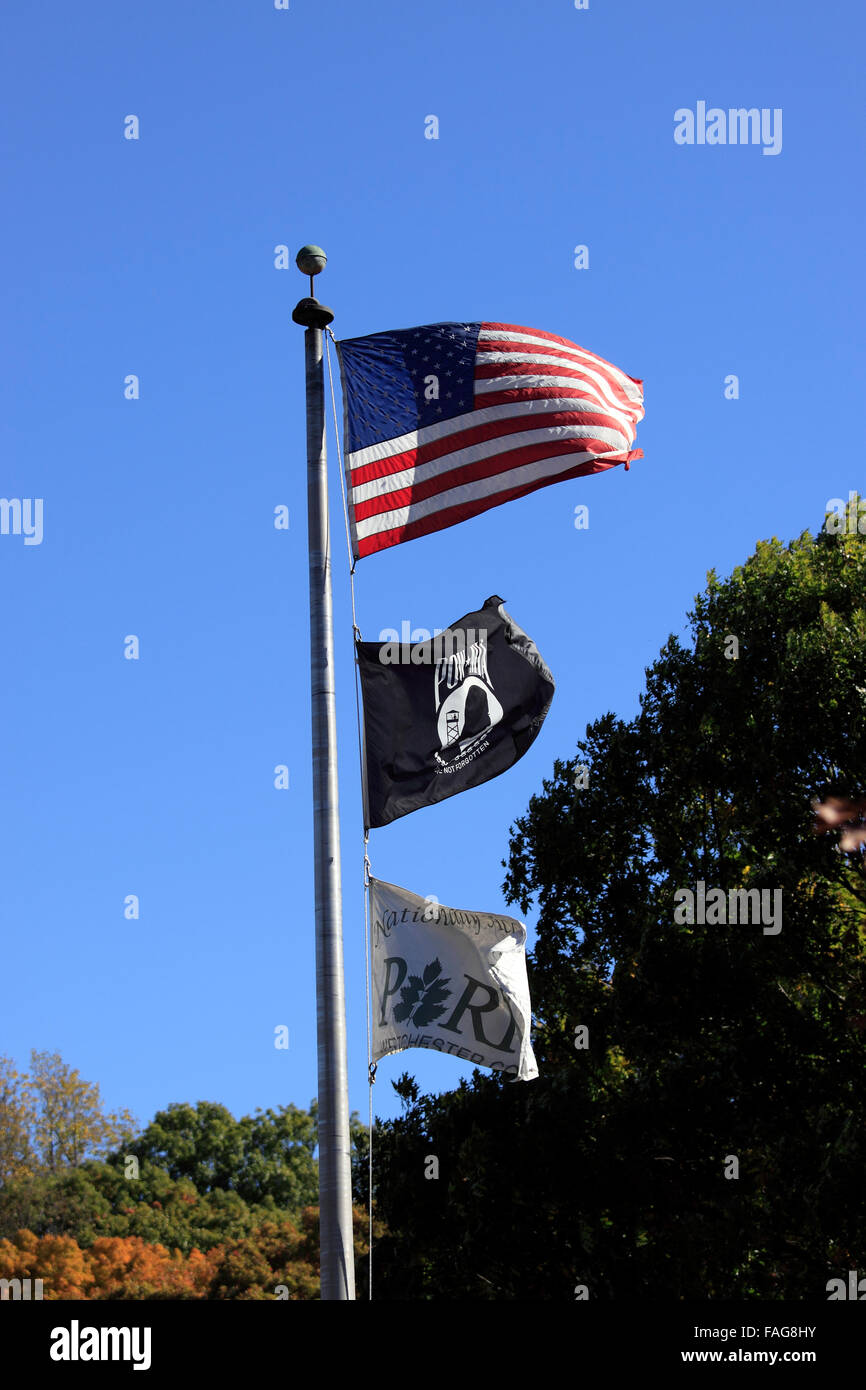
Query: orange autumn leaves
x,y
279,1260
112,1267
198,1205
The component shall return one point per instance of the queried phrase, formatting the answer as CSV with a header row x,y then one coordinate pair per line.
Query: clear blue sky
x,y
258,128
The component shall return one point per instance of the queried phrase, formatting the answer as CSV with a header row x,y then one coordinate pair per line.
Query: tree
x,y
203,1179
132,1269
57,1260
709,1040
278,1260
117,1268
202,1143
17,1116
267,1155
98,1199
68,1124
64,1203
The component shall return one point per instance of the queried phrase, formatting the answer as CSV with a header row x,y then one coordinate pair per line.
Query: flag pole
x,y
335,1173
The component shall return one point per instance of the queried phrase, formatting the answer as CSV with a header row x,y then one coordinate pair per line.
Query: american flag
x,y
445,421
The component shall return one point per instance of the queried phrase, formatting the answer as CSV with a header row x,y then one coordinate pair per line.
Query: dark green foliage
x,y
705,1041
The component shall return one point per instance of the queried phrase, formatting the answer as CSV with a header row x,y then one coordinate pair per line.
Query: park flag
x,y
445,421
450,980
449,713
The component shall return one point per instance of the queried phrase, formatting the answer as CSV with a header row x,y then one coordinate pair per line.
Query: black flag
x,y
449,713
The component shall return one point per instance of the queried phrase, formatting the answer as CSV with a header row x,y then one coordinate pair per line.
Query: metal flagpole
x,y
335,1173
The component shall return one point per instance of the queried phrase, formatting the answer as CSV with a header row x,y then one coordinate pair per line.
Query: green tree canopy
x,y
707,1040
97,1200
268,1154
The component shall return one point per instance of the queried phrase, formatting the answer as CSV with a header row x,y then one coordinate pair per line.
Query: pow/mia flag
x,y
449,980
449,713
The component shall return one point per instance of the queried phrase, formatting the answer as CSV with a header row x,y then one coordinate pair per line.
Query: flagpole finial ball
x,y
310,260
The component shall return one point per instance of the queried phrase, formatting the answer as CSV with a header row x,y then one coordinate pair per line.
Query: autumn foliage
x,y
197,1205
51,1118
279,1260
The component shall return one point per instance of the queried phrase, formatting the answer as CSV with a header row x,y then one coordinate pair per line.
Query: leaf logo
x,y
423,997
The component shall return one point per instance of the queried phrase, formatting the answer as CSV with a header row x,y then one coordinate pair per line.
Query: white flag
x,y
450,980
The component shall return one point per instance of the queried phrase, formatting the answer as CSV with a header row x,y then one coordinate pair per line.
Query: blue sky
x,y
155,256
